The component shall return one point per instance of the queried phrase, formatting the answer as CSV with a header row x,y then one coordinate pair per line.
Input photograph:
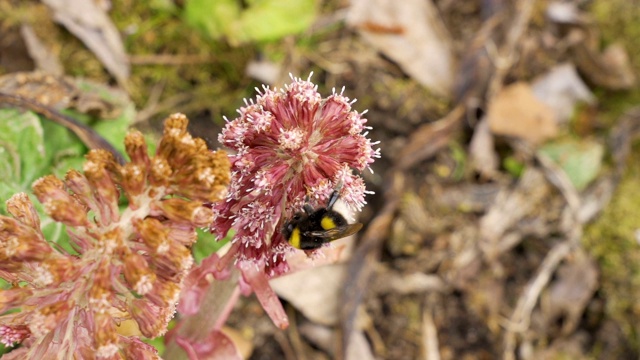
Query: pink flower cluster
x,y
291,146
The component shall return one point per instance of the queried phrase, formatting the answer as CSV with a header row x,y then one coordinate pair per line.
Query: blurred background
x,y
505,221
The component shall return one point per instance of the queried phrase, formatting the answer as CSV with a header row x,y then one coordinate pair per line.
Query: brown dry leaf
x,y
487,296
405,284
411,226
265,71
429,138
411,33
610,69
566,12
44,59
358,347
595,198
63,92
322,337
572,347
53,91
510,207
626,130
243,345
99,100
515,111
90,23
482,151
561,88
568,295
616,60
430,348
469,197
315,292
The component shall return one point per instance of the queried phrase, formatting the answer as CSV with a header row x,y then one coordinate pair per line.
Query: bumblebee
x,y
311,229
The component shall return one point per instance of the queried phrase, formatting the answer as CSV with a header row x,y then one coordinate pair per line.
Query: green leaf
x,y
262,20
4,349
115,130
61,146
67,161
514,166
163,6
207,244
6,191
157,343
213,18
22,152
56,232
32,146
581,160
268,20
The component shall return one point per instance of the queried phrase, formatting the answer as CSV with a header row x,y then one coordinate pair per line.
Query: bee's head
x,y
292,223
291,229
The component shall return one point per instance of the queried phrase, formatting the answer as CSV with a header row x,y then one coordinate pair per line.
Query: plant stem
x,y
214,310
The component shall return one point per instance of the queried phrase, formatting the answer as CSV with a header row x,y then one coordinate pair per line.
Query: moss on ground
x,y
612,240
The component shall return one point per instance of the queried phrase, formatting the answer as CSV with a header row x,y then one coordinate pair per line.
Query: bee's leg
x,y
332,200
307,208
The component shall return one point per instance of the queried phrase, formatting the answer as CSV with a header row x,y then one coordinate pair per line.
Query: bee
x,y
311,229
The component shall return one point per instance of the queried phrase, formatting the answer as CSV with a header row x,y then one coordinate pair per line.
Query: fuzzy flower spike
x,y
129,265
292,145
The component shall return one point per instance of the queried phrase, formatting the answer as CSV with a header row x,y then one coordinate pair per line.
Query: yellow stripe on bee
x,y
294,239
327,223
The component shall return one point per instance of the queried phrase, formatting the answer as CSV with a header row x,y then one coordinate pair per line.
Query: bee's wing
x,y
335,233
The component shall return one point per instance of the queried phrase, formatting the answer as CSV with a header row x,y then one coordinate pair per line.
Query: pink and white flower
x,y
291,146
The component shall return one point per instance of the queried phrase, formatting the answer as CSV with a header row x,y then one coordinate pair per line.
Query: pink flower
x,y
129,264
291,145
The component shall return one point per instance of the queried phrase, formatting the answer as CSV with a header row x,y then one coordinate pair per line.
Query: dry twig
x,y
430,349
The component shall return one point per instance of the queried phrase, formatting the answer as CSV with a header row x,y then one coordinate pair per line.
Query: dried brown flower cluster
x,y
129,264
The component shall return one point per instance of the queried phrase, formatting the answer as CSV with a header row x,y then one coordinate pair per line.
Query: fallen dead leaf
x,y
430,347
358,347
568,295
411,33
482,152
561,89
610,68
566,13
429,138
315,292
511,205
264,71
90,23
414,283
243,345
46,89
626,130
64,92
321,336
561,348
516,112
44,59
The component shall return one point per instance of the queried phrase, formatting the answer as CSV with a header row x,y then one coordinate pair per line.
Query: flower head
x,y
292,146
128,265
